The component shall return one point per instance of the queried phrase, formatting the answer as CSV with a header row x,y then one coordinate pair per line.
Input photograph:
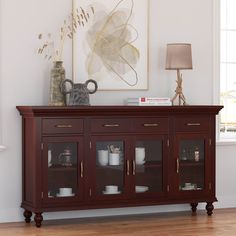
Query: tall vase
x,y
57,76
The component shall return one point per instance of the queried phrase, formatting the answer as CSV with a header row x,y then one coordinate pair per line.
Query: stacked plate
x,y
65,195
141,189
192,187
116,192
189,186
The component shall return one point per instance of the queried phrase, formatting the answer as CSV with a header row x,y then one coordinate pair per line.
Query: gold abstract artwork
x,y
111,38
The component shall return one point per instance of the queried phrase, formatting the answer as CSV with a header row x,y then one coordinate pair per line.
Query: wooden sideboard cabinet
x,y
116,156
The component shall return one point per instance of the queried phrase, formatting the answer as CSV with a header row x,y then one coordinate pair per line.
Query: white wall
x,y
24,79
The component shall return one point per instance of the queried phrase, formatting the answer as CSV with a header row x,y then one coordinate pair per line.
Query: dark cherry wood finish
x,y
27,215
209,208
38,218
89,124
194,206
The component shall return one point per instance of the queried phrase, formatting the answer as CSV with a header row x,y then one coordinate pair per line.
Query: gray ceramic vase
x,y
79,93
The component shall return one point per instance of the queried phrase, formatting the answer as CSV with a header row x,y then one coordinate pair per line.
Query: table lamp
x,y
179,57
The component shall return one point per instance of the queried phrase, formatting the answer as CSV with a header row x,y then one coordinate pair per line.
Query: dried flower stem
x,y
70,26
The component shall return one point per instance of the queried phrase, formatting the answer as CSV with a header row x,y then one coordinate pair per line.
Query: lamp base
x,y
179,91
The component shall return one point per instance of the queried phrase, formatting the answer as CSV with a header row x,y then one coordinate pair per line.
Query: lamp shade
x,y
179,56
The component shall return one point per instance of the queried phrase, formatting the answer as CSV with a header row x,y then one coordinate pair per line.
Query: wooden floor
x,y
222,222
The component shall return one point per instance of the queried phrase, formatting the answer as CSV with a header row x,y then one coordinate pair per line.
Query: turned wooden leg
x,y
194,206
38,218
209,208
27,215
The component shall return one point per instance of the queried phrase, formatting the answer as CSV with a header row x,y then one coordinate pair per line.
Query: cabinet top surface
x,y
116,110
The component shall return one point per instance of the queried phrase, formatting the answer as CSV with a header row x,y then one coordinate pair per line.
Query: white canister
x,y
139,155
114,159
103,157
65,191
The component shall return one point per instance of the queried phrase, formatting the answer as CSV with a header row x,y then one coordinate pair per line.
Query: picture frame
x,y
112,46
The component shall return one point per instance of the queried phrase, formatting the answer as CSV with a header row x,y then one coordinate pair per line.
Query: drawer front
x,y
151,125
110,125
193,123
63,126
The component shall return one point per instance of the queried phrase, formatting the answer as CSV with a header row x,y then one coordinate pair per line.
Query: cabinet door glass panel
x,y
191,164
109,167
62,169
148,165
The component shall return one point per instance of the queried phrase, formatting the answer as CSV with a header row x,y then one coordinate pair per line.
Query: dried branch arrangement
x,y
54,51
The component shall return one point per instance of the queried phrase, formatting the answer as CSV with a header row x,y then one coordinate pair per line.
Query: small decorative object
x,y
79,93
65,158
56,98
196,154
113,149
179,57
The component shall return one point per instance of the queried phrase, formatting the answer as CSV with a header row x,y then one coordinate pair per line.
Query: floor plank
x,y
221,223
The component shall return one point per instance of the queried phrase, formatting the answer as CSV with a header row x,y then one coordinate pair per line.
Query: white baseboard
x,y
225,202
11,215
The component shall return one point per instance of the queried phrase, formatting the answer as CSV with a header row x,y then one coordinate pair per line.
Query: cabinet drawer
x,y
193,123
110,125
62,126
151,124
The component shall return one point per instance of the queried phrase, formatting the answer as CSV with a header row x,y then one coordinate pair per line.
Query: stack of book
x,y
148,101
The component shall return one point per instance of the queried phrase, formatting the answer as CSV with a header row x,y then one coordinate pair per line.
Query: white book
x,y
155,104
148,100
153,99
148,104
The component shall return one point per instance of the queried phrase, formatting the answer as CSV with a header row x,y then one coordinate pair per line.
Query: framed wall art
x,y
111,47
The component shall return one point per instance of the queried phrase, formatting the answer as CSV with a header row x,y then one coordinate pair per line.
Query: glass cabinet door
x,y
110,167
148,165
63,166
191,164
